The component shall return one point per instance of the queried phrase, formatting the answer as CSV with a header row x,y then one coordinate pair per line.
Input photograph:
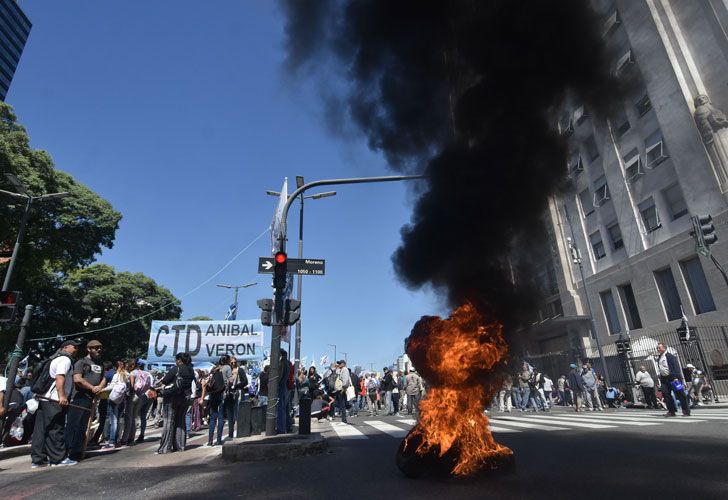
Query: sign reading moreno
x,y
205,341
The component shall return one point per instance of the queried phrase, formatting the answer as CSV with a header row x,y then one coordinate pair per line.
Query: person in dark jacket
x,y
669,371
576,384
177,391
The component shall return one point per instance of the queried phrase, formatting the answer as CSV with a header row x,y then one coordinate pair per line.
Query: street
x,y
560,454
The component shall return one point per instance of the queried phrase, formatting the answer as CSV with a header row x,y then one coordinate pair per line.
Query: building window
x,y
643,105
668,293
675,201
575,164
580,115
625,62
610,311
632,165
566,126
622,123
601,191
586,201
649,214
629,304
611,23
592,152
655,150
597,245
697,285
615,236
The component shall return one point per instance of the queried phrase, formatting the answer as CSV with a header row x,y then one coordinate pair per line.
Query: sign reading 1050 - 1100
x,y
314,267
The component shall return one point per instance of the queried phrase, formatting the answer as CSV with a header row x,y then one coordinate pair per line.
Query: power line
x,y
167,304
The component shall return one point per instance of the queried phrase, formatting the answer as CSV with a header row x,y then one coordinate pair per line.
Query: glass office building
x,y
14,30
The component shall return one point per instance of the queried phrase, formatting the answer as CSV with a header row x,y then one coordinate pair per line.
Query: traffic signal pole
x,y
16,355
278,324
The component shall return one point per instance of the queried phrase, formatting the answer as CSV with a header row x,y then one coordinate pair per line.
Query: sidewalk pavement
x,y
14,451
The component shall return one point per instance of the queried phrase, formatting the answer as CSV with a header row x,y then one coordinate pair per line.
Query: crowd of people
x,y
73,404
584,389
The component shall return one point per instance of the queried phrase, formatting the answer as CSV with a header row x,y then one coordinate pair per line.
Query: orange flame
x,y
464,351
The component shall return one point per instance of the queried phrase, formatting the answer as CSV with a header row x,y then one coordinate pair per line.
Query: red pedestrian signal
x,y
281,258
280,271
8,305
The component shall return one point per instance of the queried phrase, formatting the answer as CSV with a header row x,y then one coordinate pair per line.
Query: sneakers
x,y
669,414
38,466
65,461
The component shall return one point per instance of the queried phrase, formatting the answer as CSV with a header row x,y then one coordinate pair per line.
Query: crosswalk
x,y
556,421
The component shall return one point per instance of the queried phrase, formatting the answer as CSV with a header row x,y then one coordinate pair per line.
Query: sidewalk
x,y
14,451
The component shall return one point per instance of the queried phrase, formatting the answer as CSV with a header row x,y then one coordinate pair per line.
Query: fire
x,y
458,356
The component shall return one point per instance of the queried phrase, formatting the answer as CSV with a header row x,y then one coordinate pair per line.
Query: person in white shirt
x,y
644,380
50,419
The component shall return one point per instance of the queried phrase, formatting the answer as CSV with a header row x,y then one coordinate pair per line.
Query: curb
x,y
274,447
14,451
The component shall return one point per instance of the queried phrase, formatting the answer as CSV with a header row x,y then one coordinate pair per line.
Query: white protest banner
x,y
205,341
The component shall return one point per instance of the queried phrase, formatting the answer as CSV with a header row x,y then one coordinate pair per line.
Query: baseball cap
x,y
572,365
74,343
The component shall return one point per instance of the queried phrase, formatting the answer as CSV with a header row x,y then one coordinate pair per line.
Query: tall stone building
x,y
638,176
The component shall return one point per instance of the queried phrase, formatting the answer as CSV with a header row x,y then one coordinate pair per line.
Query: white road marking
x,y
390,429
528,425
408,421
348,432
494,428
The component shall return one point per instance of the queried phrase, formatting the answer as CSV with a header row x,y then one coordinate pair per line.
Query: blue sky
x,y
179,113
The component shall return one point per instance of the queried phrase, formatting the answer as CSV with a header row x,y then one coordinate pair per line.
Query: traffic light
x,y
266,311
704,233
280,271
293,311
624,346
8,306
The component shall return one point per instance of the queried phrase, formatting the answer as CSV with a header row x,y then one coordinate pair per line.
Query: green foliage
x,y
199,318
62,240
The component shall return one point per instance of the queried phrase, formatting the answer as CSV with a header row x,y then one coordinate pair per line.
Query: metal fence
x,y
708,352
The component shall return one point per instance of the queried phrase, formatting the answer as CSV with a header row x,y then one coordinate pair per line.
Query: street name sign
x,y
311,267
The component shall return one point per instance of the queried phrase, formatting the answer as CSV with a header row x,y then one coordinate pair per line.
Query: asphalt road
x,y
616,454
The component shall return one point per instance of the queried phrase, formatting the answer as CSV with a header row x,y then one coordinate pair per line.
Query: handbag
x,y
678,385
174,388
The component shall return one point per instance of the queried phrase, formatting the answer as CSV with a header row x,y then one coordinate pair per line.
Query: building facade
x,y
638,176
14,30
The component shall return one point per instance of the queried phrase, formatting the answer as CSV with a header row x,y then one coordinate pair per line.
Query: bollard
x,y
257,419
304,416
244,410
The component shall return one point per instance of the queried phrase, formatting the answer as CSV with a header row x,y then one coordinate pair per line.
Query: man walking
x,y
48,443
413,388
342,374
644,380
589,378
577,387
670,374
387,386
88,381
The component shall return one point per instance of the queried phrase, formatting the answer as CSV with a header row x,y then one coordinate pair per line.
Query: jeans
x,y
525,398
412,401
562,398
516,396
395,402
76,425
504,400
282,411
341,403
667,391
113,415
231,411
216,419
372,401
591,395
388,402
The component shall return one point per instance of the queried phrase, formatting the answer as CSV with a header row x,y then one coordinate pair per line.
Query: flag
x,y
275,225
232,312
685,322
324,361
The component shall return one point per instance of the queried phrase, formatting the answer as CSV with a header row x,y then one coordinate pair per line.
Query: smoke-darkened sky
x,y
466,92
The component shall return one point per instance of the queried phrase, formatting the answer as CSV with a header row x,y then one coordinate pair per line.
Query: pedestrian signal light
x,y
280,271
8,305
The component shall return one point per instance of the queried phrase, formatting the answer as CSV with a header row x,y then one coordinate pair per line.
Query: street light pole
x,y
346,357
277,329
18,351
299,284
236,288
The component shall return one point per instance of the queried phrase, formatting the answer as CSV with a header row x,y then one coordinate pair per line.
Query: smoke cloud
x,y
466,92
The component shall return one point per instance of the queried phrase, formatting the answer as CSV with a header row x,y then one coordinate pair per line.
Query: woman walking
x,y
177,390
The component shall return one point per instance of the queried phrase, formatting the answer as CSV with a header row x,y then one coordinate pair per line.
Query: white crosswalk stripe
x,y
408,421
347,431
390,429
548,420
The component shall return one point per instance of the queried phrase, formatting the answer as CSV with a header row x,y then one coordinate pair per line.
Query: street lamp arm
x,y
330,182
14,195
52,196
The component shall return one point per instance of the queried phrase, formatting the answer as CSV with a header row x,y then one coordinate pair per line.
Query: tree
x,y
200,318
62,240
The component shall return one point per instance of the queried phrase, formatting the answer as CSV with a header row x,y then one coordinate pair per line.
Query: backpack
x,y
42,382
216,382
118,391
331,381
141,382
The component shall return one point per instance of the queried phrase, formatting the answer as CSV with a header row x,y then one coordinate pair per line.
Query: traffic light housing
x,y
293,311
8,306
280,271
266,311
704,233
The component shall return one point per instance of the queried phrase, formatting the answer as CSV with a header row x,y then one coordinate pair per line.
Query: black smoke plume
x,y
467,92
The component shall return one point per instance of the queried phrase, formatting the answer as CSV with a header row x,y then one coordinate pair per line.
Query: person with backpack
x,y
89,381
140,382
177,390
215,387
119,388
53,383
370,384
